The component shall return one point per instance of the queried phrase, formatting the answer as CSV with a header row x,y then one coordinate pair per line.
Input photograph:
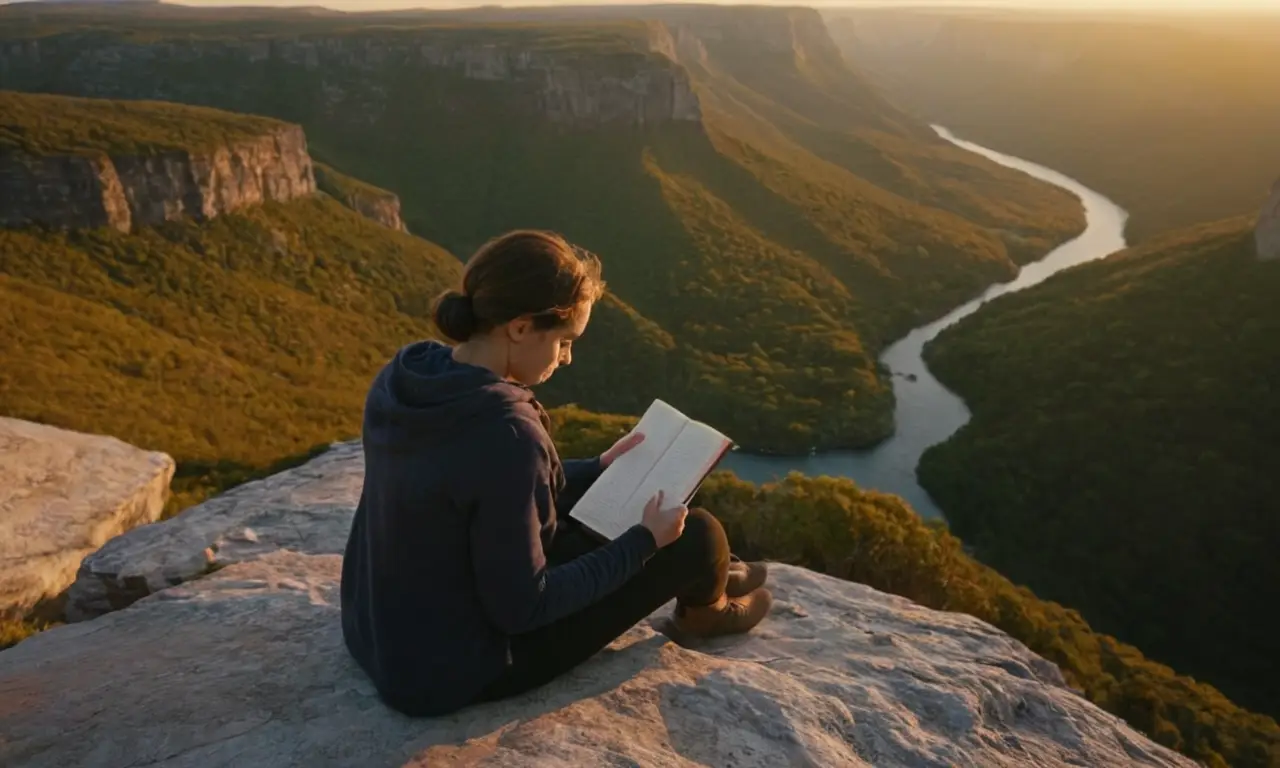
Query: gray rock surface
x,y
1267,233
246,667
305,509
127,191
62,495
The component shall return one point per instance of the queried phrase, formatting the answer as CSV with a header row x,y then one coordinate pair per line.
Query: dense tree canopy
x,y
1122,453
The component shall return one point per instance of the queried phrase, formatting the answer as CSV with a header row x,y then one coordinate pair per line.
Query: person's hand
x,y
666,524
621,447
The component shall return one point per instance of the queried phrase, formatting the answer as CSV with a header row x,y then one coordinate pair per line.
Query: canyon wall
x,y
359,76
1267,233
124,191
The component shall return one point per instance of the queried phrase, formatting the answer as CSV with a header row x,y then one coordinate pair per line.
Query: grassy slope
x,y
835,527
231,344
1125,420
684,217
1175,123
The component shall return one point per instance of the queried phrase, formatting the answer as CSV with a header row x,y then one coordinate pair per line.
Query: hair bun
x,y
455,315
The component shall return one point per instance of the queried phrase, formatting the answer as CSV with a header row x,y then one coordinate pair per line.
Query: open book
x,y
675,457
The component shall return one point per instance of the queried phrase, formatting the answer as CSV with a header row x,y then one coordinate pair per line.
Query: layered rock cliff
x,y
369,201
245,664
62,495
619,82
124,191
786,54
1267,232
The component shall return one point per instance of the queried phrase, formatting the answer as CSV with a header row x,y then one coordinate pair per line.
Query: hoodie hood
x,y
423,391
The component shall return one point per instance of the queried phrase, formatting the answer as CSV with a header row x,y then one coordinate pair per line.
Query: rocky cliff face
x,y
62,495
369,201
356,77
683,34
1267,233
791,31
127,191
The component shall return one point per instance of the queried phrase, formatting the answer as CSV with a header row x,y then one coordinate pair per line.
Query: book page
x,y
682,468
605,507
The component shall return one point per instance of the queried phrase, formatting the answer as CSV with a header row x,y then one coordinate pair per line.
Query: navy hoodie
x,y
445,559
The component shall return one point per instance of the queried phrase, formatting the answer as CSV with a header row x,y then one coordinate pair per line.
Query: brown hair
x,y
524,272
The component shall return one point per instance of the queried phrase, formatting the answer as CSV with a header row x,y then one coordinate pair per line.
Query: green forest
x,y
799,207
1121,456
1173,117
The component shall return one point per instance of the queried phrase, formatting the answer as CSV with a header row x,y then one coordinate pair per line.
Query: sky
x,y
1272,6
1129,5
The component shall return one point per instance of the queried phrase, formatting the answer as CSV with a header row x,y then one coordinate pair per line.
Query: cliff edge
x,y
369,201
62,495
66,162
1267,232
245,664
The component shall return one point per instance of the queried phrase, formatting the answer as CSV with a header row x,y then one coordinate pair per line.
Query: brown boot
x,y
727,616
745,578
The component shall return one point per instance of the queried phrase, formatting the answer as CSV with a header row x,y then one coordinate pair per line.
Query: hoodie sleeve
x,y
579,474
519,593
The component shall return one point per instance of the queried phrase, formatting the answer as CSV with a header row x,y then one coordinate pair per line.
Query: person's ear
x,y
519,328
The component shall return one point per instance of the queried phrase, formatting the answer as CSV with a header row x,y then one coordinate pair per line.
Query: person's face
x,y
536,354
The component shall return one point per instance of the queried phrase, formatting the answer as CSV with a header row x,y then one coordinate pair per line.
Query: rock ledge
x,y
1267,233
247,667
62,495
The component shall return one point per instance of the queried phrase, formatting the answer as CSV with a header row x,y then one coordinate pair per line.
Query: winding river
x,y
927,413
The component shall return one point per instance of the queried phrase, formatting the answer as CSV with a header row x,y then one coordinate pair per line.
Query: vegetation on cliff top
x,y
1122,453
728,240
835,527
47,125
14,631
345,188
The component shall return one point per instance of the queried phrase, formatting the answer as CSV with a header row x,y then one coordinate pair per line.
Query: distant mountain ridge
x,y
1173,118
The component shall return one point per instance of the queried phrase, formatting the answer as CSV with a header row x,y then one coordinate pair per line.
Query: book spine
x,y
707,468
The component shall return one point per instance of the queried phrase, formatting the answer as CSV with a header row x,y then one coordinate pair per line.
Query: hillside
x,y
1121,456
765,229
1174,120
231,322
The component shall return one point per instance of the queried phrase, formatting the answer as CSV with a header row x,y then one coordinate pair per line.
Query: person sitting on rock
x,y
464,579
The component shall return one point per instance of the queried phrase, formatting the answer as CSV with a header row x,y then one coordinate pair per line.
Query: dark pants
x,y
692,569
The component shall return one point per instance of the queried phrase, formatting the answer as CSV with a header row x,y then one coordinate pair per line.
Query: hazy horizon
x,y
1156,6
